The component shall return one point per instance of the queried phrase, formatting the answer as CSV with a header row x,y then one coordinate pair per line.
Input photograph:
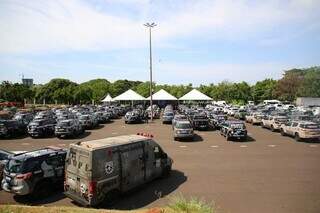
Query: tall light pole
x,y
150,26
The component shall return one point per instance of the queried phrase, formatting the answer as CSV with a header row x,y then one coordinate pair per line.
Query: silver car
x,y
167,117
183,129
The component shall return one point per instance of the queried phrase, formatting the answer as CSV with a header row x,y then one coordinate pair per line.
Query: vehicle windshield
x,y
237,126
168,114
84,117
35,123
199,117
180,117
64,123
281,119
183,126
14,166
17,117
310,126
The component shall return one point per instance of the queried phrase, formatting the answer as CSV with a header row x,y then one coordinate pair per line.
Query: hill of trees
x,y
294,83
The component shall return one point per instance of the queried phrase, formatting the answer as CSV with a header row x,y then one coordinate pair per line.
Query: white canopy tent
x,y
195,95
162,95
108,98
129,95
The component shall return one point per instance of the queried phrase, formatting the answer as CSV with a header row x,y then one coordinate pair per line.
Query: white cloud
x,y
32,26
182,73
38,26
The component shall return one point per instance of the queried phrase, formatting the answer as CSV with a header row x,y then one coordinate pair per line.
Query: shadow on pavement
x,y
83,135
53,196
196,138
150,192
247,140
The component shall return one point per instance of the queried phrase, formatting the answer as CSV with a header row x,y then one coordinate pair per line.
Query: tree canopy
x,y
294,83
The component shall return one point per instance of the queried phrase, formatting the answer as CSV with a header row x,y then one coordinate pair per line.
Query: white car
x,y
274,122
301,130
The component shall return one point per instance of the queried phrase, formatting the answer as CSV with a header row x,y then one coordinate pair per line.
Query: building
x,y
27,81
307,101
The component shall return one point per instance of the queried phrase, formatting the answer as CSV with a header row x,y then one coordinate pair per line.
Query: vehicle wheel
x,y
74,134
125,122
282,132
272,128
41,190
166,172
110,198
227,137
297,137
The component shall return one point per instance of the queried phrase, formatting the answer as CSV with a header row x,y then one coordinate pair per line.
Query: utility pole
x,y
150,26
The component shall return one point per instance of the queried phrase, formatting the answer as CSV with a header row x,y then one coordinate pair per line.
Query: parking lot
x,y
268,173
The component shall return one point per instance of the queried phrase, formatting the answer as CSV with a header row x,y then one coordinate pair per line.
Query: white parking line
x,y
25,144
243,146
183,146
123,126
271,145
61,144
214,146
313,146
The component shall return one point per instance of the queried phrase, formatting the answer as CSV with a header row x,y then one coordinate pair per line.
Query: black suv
x,y
234,129
200,122
11,128
41,127
70,127
24,117
135,116
34,172
215,121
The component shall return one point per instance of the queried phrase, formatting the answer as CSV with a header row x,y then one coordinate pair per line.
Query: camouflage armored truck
x,y
99,170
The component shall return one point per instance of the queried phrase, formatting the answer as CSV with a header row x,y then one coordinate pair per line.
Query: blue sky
x,y
196,41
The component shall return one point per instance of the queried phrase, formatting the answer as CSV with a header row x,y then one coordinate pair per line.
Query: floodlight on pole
x,y
149,26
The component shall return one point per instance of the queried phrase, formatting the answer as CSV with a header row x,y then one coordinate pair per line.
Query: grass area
x,y
178,204
193,205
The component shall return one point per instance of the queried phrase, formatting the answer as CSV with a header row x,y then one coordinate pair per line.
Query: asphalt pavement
x,y
268,173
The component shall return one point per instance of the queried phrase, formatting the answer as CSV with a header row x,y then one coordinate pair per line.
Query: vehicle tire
x,y
74,134
272,128
297,137
282,132
227,137
125,122
166,172
41,190
111,197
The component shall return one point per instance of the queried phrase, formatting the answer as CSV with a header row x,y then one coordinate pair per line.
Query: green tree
x,y
144,88
288,86
121,86
310,86
60,90
15,92
264,90
83,94
99,88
